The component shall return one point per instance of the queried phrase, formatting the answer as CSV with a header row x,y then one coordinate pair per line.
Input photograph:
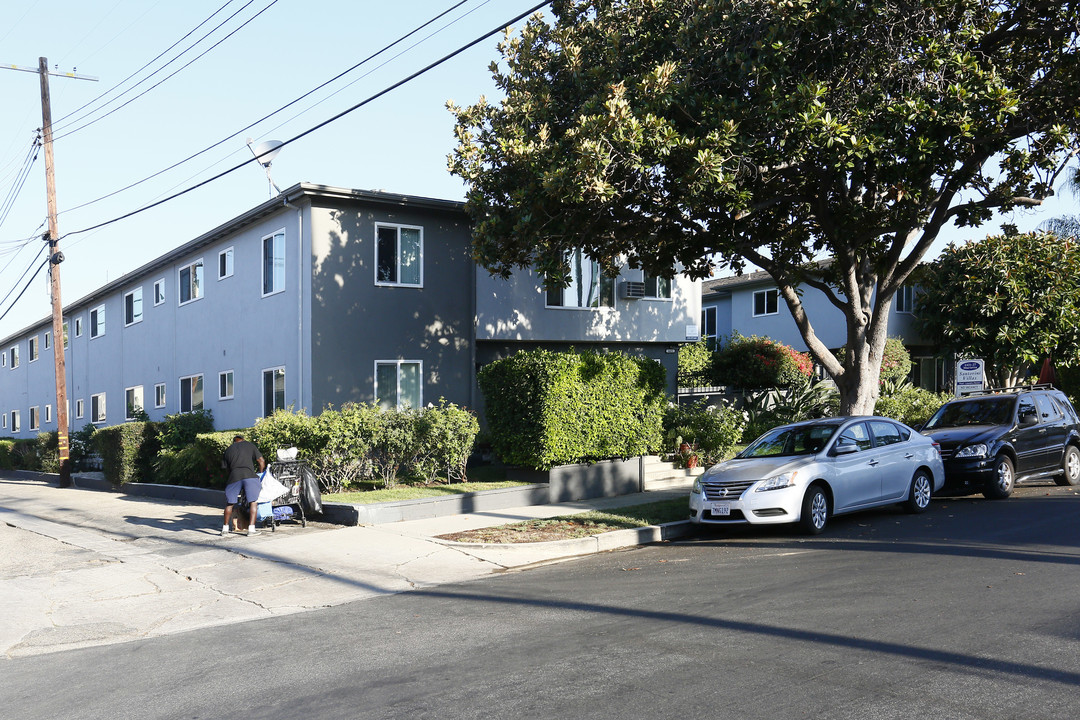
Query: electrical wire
x,y
284,107
17,186
25,287
324,123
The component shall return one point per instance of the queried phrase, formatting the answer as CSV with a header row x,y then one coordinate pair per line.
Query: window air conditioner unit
x,y
632,290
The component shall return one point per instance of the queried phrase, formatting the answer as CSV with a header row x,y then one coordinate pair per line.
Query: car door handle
x,y
872,463
908,456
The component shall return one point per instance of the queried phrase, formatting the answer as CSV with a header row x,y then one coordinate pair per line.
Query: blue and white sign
x,y
970,376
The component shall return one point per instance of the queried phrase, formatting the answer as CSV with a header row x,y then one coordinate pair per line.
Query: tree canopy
x,y
1010,299
692,134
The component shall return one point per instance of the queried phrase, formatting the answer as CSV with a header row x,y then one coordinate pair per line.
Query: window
x,y
15,425
273,263
65,334
398,384
97,321
885,433
399,255
133,307
225,263
34,419
3,359
14,354
225,385
191,393
191,282
33,349
48,340
79,409
905,299
133,402
708,327
766,302
78,327
273,390
3,421
588,287
159,395
48,413
159,291
97,408
856,435
657,287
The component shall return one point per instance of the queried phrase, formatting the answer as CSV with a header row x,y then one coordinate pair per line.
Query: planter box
x,y
567,483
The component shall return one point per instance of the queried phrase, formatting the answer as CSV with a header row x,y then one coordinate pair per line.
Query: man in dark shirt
x,y
240,460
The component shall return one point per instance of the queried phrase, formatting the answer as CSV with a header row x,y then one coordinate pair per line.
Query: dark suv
x,y
992,439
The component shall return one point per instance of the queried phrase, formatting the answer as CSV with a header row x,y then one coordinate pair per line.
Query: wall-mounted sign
x,y
970,376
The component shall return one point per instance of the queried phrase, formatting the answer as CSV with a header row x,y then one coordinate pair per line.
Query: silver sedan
x,y
807,472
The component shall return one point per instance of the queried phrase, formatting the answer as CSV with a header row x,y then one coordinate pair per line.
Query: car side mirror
x,y
1028,419
845,448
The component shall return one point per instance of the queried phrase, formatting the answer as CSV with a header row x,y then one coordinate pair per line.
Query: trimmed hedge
x,y
546,408
127,451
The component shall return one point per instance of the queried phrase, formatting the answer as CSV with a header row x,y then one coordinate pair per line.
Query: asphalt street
x,y
968,611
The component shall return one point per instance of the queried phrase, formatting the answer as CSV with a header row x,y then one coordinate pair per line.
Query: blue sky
x,y
397,143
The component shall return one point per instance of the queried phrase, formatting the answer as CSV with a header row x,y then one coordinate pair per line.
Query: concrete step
x,y
660,475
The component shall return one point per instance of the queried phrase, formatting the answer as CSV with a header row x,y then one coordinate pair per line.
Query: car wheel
x,y
815,510
922,488
1070,467
1002,485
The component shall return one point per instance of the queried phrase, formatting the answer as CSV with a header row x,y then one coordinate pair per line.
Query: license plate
x,y
720,508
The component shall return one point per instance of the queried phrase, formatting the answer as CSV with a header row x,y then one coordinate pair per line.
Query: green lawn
x,y
415,492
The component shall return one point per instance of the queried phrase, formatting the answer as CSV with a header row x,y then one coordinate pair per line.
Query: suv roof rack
x,y
1017,389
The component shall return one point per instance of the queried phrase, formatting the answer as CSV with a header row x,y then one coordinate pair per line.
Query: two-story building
x,y
319,297
751,305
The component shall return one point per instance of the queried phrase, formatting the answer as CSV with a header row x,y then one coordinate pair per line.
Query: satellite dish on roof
x,y
264,153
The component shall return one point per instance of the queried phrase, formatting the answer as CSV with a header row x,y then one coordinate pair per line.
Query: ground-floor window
x,y
273,390
191,393
97,408
159,395
15,426
225,385
79,409
398,383
34,418
133,402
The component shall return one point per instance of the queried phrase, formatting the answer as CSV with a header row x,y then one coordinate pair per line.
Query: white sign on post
x,y
969,376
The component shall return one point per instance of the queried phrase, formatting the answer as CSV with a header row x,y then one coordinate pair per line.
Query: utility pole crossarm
x,y
58,73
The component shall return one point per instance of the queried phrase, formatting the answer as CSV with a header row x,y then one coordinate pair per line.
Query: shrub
x,y
286,429
769,409
7,454
909,404
447,434
47,450
396,443
711,430
128,451
758,362
81,447
545,408
348,435
196,465
695,365
179,430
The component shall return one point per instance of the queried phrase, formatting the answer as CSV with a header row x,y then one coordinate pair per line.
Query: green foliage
x,y
81,447
198,464
1009,299
908,404
695,365
7,454
757,362
446,436
345,456
128,451
285,429
766,410
396,443
47,450
895,361
545,408
674,133
712,431
179,430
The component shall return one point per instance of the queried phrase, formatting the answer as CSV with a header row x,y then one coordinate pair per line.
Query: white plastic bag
x,y
272,488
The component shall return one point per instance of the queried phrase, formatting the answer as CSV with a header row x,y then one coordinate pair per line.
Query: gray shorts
x,y
252,488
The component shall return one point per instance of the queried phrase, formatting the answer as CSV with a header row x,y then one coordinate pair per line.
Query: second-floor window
x,y
191,282
905,299
273,263
657,287
97,321
588,288
399,255
159,291
33,351
225,263
133,307
766,302
14,354
708,327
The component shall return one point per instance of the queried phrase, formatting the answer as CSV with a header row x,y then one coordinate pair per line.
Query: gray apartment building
x,y
317,297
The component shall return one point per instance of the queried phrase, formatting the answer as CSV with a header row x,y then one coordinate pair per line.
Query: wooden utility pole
x,y
55,258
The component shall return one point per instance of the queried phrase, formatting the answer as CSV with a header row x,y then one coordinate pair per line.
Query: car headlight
x,y
778,482
978,450
697,486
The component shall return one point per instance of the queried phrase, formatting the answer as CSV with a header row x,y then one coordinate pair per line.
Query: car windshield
x,y
797,440
986,411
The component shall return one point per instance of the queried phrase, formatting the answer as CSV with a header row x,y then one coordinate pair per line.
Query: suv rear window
x,y
981,411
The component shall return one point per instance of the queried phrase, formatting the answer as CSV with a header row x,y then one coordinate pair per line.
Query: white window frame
x,y
397,389
228,256
3,421
32,350
159,395
3,359
272,237
195,284
98,409
135,318
230,377
396,282
159,292
269,408
905,300
97,313
16,421
129,408
48,414
35,418
774,293
48,340
191,397
653,289
14,354
80,409
601,288
78,326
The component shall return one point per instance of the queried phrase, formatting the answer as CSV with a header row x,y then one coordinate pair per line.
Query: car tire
x,y
1070,467
815,510
922,489
1001,486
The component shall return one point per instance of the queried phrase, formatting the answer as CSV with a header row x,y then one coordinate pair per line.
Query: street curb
x,y
603,542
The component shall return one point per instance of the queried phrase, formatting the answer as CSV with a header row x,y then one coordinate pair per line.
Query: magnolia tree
x,y
1010,299
686,133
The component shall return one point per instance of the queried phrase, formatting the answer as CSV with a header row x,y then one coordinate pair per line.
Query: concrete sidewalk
x,y
84,567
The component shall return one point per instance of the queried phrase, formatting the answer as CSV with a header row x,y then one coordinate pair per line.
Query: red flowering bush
x,y
758,362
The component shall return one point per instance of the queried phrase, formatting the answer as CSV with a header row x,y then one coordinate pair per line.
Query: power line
x,y
205,150
324,123
25,287
17,186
